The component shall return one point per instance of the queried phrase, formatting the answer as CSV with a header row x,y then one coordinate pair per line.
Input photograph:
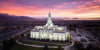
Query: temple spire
x,y
49,16
49,22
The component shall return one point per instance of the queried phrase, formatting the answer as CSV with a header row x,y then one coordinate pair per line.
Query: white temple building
x,y
50,31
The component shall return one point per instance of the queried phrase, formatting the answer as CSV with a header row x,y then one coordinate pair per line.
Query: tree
x,y
45,47
6,45
78,45
91,47
59,47
12,42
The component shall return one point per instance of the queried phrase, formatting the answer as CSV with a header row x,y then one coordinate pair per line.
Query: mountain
x,y
8,18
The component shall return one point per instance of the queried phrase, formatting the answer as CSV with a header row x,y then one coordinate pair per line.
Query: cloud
x,y
63,8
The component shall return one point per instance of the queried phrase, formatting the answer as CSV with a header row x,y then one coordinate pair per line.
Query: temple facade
x,y
50,31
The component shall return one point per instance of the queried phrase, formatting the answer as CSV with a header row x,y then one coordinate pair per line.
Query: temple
x,y
50,31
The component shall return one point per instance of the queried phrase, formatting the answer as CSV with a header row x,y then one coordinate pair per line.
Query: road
x,y
42,46
10,34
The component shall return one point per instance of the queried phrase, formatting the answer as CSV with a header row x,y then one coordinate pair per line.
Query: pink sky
x,y
58,8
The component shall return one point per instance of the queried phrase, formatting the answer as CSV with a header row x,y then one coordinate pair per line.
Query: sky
x,y
58,8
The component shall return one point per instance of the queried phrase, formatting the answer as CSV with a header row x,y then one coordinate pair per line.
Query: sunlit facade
x,y
50,31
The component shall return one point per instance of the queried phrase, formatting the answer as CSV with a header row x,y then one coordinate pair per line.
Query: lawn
x,y
39,43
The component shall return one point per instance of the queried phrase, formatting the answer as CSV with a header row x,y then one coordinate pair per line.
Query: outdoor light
x,y
50,31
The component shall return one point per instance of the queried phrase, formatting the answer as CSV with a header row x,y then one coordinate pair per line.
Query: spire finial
x,y
49,10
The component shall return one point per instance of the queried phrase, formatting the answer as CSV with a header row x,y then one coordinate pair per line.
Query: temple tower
x,y
49,23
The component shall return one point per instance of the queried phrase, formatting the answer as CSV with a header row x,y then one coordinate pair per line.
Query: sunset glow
x,y
58,8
